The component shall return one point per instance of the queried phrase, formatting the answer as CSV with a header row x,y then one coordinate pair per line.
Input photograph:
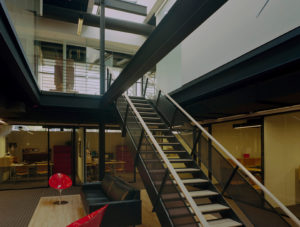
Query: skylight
x,y
119,15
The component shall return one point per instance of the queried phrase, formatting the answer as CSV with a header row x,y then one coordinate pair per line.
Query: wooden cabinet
x,y
62,159
123,154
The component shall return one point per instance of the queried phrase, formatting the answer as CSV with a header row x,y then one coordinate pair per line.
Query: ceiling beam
x,y
124,6
182,19
16,68
158,4
71,16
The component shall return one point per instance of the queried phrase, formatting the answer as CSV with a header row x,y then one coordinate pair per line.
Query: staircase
x,y
183,193
209,201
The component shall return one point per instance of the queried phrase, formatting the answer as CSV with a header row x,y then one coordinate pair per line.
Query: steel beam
x,y
71,16
124,6
183,18
102,49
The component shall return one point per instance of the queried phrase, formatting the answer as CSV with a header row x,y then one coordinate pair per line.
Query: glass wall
x,y
92,155
118,159
23,157
244,141
282,158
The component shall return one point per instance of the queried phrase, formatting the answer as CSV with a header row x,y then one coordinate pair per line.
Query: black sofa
x,y
124,201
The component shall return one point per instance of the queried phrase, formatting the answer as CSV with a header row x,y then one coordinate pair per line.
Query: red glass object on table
x,y
92,220
60,182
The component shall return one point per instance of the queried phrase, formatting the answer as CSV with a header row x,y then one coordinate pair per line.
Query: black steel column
x,y
49,155
74,156
262,143
102,48
84,156
101,151
209,154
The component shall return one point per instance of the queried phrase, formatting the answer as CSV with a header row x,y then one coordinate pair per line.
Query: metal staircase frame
x,y
170,168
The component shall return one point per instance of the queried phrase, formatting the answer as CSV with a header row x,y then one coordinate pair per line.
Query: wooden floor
x,y
149,218
49,214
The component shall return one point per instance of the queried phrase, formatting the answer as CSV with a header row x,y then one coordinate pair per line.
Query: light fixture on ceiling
x,y
22,128
80,23
2,122
253,123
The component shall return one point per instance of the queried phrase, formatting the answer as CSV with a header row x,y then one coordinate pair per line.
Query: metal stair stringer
x,y
168,200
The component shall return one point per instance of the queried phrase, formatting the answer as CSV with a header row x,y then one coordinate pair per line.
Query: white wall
x,y
170,66
231,32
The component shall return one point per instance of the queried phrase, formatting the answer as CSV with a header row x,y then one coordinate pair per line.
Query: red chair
x,y
60,182
92,220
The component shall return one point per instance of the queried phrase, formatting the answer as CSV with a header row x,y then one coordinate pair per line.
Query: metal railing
x,y
211,139
69,76
171,169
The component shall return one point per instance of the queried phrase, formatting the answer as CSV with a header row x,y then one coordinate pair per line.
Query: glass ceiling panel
x,y
119,14
124,15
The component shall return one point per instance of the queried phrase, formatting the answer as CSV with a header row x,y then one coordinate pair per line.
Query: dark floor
x,y
17,207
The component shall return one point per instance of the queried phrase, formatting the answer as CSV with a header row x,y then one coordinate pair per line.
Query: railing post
x,y
145,87
199,149
229,180
137,155
109,82
209,154
158,97
107,75
142,85
173,119
196,140
160,189
125,121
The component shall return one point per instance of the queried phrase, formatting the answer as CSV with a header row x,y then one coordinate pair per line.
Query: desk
x,y
48,214
110,166
115,165
13,166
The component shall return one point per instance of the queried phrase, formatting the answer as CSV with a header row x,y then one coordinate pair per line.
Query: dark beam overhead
x,y
15,68
69,4
182,19
252,65
125,6
72,16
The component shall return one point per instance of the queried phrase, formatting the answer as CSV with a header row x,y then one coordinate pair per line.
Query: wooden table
x,y
48,214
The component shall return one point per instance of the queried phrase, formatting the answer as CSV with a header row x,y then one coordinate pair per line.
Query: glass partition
x,y
92,155
24,157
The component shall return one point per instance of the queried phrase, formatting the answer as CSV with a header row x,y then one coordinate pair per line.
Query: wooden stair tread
x,y
214,207
187,170
227,222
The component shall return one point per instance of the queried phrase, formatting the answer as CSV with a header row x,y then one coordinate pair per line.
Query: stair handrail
x,y
234,160
179,182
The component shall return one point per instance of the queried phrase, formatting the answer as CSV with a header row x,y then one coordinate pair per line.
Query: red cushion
x,y
60,181
92,220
